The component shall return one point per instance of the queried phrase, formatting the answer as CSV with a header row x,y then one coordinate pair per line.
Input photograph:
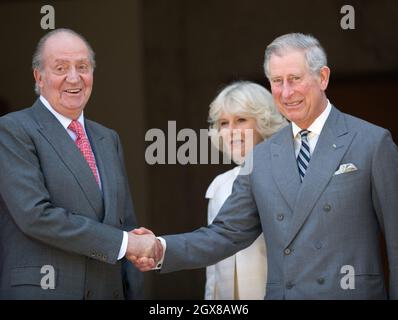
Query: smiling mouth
x,y
292,104
73,91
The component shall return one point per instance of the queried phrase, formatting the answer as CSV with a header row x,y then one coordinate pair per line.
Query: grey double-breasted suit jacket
x,y
315,228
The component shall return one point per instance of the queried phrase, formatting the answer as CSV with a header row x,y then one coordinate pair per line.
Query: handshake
x,y
144,250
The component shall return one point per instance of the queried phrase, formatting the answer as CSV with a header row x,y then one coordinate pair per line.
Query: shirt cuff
x,y
164,245
123,247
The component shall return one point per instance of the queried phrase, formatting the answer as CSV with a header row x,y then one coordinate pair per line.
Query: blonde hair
x,y
247,99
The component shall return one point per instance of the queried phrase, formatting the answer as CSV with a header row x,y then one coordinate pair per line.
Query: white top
x,y
243,275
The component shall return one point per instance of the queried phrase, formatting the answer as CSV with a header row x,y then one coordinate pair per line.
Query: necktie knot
x,y
77,128
304,133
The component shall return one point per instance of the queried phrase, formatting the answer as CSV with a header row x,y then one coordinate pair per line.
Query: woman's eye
x,y
242,120
223,123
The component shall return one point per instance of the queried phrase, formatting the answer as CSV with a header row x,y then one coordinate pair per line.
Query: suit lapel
x,y
69,154
330,149
105,164
284,167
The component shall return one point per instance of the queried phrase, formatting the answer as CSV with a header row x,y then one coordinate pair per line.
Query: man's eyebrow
x,y
60,60
65,60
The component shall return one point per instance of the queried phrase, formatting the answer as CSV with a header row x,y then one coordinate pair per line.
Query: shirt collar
x,y
65,121
317,126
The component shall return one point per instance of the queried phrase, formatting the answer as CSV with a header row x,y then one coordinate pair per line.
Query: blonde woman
x,y
242,115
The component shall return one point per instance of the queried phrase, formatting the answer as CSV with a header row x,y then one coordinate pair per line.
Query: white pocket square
x,y
346,167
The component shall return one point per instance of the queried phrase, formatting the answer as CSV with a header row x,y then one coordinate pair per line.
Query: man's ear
x,y
324,77
38,78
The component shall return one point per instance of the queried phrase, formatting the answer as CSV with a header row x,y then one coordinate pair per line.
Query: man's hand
x,y
143,249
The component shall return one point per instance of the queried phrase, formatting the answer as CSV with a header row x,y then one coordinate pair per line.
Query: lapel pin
x,y
334,146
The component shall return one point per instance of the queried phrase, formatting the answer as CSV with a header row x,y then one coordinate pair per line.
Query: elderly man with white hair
x,y
322,191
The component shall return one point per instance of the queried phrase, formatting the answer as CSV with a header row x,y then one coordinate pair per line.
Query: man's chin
x,y
74,106
295,116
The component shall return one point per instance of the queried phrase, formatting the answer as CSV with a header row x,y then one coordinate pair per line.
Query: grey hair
x,y
315,55
37,59
247,99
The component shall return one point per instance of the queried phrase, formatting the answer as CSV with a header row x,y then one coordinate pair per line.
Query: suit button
x,y
93,254
280,217
321,280
287,251
289,285
318,245
327,207
116,294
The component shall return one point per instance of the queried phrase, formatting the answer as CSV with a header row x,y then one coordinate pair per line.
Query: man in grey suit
x,y
322,190
65,204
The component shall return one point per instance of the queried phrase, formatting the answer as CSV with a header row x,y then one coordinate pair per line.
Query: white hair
x,y
37,60
247,99
315,55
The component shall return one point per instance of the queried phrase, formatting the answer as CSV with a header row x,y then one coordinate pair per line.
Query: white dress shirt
x,y
65,123
315,130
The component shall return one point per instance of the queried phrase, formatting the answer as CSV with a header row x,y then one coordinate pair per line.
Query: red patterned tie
x,y
84,146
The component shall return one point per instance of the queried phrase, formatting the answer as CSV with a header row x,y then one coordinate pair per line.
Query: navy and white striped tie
x,y
304,155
